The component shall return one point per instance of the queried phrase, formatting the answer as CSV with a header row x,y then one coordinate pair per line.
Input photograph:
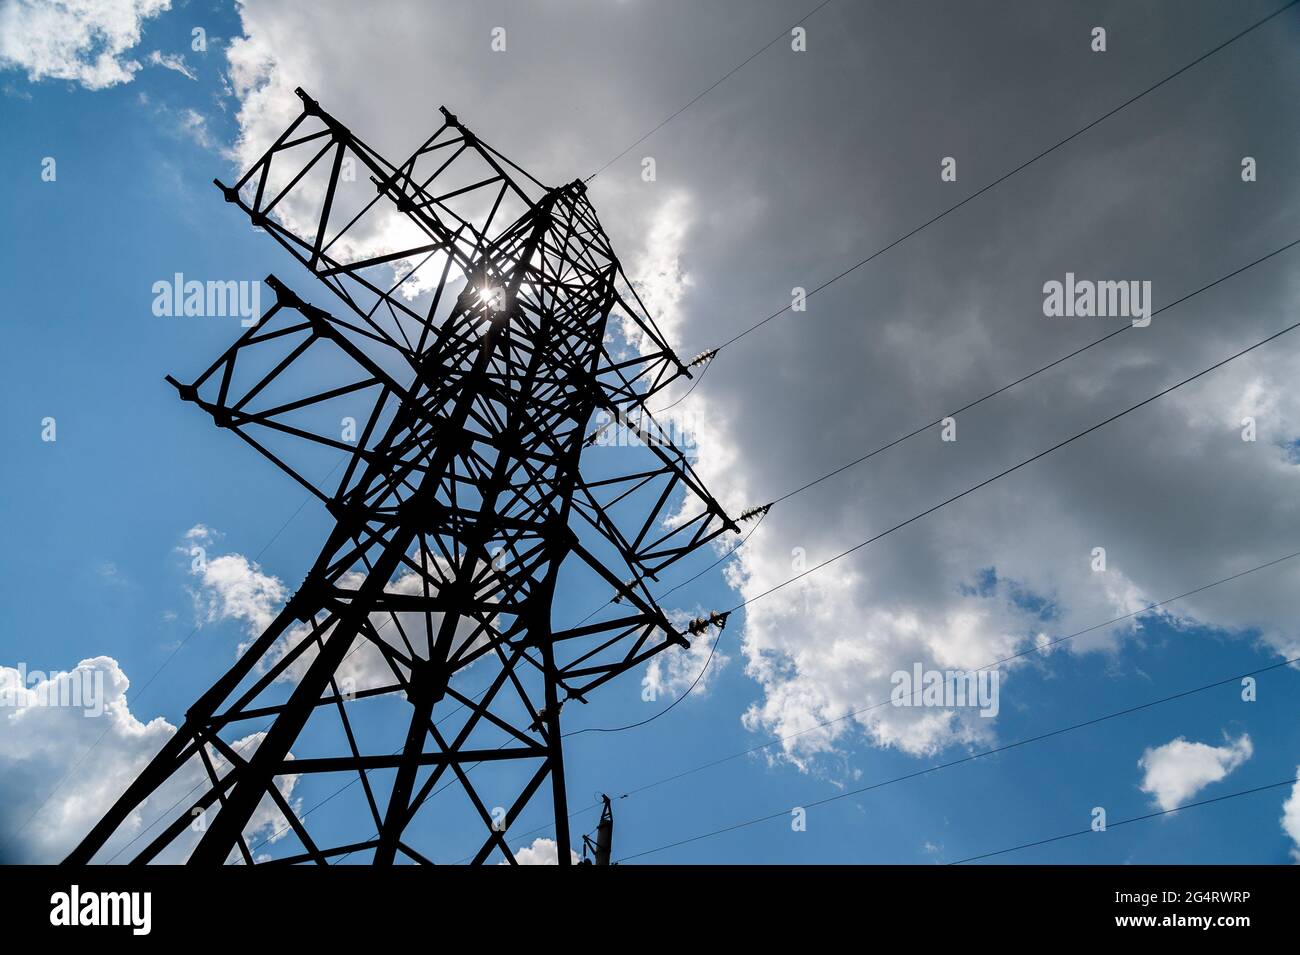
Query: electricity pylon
x,y
487,323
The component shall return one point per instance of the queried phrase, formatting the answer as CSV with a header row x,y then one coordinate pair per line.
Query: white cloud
x,y
1291,818
194,124
1175,772
541,852
658,271
85,41
186,122
41,755
232,587
174,62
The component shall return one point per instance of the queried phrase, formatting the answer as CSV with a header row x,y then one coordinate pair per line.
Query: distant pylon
x,y
463,522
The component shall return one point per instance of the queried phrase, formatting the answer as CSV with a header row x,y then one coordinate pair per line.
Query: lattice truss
x,y
473,355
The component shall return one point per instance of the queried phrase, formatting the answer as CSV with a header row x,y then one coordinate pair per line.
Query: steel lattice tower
x,y
460,511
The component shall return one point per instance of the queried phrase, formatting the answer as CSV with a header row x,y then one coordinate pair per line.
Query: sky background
x,y
792,170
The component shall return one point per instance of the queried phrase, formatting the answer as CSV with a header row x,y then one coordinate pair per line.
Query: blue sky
x,y
97,562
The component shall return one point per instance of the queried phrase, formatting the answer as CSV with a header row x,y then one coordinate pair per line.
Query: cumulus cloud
x,y
86,41
1175,772
541,852
230,586
54,787
235,588
1291,818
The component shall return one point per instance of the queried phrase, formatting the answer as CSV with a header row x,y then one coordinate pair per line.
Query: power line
x,y
707,660
1023,378
785,812
686,394
1036,648
724,557
1015,467
1012,384
1005,176
650,719
988,186
699,96
899,440
1125,822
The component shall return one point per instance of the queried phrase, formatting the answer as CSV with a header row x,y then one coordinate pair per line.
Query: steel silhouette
x,y
487,336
